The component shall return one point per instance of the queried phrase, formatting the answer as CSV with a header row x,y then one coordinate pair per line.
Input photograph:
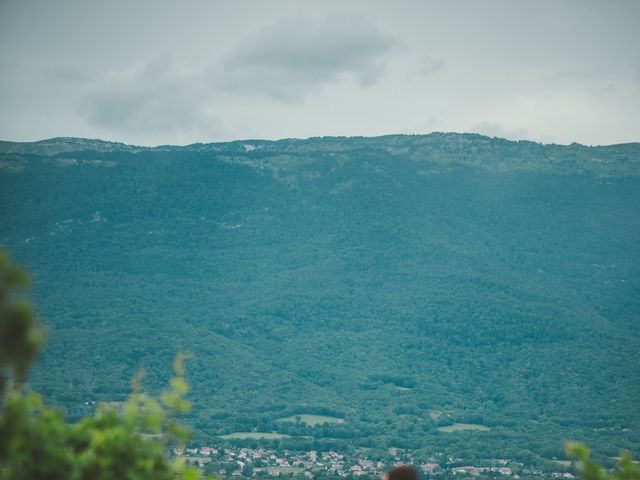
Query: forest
x,y
403,285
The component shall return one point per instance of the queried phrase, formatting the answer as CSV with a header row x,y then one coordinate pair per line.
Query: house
x,y
429,467
469,470
356,470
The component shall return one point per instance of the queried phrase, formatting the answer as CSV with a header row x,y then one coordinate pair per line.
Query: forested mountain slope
x,y
402,283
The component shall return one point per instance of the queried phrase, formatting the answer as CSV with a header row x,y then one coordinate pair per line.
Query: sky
x,y
178,72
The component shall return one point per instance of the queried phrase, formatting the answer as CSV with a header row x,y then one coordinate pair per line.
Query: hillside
x,y
401,284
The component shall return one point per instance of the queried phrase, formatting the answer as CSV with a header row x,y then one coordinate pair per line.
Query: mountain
x,y
402,284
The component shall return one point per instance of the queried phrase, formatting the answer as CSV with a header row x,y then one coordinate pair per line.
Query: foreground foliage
x,y
36,442
626,469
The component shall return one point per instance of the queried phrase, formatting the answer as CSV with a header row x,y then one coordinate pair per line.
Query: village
x,y
262,462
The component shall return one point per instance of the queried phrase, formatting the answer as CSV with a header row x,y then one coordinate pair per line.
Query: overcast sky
x,y
157,72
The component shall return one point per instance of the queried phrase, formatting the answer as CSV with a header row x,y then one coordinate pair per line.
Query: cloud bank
x,y
286,61
155,97
297,56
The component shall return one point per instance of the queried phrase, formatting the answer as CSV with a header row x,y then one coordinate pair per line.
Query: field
x,y
285,470
311,420
254,435
459,427
403,389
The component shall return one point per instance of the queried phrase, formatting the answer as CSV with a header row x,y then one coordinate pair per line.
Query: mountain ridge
x,y
440,149
85,141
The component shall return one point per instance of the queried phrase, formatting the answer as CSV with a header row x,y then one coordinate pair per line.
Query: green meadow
x,y
311,420
460,427
254,435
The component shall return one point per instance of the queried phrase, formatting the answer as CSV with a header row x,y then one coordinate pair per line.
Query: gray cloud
x,y
66,73
429,65
578,74
154,97
603,90
299,55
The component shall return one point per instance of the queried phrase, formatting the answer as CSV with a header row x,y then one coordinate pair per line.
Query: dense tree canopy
x,y
131,443
404,284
